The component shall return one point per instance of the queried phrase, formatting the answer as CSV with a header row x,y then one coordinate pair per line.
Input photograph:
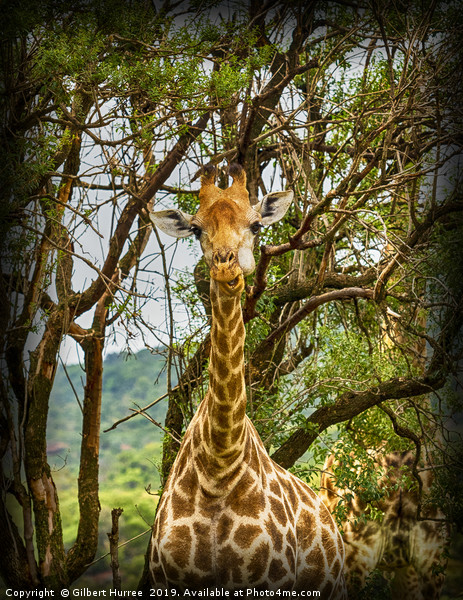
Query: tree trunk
x,y
49,539
84,549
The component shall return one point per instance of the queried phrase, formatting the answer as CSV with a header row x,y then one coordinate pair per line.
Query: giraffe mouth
x,y
229,277
233,286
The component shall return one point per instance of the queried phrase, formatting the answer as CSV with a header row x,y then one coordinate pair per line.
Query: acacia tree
x,y
353,107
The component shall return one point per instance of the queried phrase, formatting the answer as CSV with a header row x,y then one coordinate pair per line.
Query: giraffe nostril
x,y
224,256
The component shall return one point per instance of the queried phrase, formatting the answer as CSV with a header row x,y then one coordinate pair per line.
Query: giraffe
x,y
410,552
228,515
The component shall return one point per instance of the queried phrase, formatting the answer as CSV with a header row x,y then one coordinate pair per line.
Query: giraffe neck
x,y
224,413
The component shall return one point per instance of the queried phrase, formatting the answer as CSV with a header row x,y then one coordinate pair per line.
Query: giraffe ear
x,y
173,222
273,206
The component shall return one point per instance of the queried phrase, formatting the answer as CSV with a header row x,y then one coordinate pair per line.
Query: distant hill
x,y
128,382
128,454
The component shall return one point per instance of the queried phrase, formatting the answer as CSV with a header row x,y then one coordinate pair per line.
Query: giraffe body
x,y
408,551
229,516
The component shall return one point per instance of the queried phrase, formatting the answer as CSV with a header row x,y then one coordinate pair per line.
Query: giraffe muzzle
x,y
226,270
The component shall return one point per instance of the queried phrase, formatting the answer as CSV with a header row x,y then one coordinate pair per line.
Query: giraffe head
x,y
226,225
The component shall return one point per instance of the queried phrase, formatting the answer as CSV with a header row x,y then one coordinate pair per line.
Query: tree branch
x,y
312,304
83,302
349,405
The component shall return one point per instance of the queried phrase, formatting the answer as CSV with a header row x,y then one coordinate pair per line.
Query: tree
x,y
356,108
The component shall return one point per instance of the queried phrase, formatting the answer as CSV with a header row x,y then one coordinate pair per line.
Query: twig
x,y
136,412
71,384
164,429
311,305
120,546
405,432
113,547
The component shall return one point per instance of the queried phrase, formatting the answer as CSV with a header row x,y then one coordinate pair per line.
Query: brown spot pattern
x,y
224,527
328,543
237,356
289,553
229,563
222,343
188,481
220,391
196,581
181,507
239,413
179,545
290,538
203,551
246,534
227,306
236,385
276,570
222,416
278,510
247,503
268,467
221,367
307,523
220,442
315,572
189,548
236,433
171,571
274,487
289,491
181,463
233,323
275,535
258,563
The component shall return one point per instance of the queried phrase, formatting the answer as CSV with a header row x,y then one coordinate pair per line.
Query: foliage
x,y
353,317
376,587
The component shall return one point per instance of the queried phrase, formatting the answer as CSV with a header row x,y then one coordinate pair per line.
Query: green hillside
x,y
128,458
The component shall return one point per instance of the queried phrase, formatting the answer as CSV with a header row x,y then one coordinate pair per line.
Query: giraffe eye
x,y
255,227
196,231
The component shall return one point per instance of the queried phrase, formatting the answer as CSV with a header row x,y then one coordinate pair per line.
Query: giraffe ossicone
x,y
228,515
